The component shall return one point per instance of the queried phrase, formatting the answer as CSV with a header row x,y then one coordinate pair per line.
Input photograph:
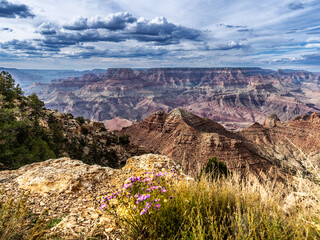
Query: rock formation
x,y
236,97
191,140
73,190
295,143
271,121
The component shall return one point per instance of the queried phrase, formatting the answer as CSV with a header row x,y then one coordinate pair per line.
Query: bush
x,y
214,168
124,139
80,119
35,102
24,141
84,130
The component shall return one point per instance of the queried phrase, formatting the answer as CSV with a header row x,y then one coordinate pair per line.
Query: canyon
x,y
234,97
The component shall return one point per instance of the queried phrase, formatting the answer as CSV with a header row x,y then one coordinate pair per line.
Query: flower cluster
x,y
144,194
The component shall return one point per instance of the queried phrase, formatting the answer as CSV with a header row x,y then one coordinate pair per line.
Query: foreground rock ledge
x,y
72,189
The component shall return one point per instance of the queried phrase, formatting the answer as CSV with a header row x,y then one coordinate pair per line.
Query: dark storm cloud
x,y
65,39
27,47
112,22
114,28
118,27
161,31
11,10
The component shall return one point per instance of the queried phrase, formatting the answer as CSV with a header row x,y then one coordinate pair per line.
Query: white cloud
x,y
265,31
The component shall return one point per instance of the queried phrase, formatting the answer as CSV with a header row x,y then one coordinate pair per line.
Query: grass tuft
x,y
17,222
228,208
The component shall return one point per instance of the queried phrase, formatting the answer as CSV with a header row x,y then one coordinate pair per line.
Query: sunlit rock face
x,y
288,146
191,140
73,190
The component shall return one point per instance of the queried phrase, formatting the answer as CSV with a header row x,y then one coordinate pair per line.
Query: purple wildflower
x,y
143,211
127,185
144,197
103,206
148,205
157,205
163,190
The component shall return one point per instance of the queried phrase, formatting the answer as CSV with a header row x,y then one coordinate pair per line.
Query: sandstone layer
x,y
236,97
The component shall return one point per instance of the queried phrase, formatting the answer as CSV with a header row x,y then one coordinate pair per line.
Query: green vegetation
x,y
214,208
8,89
80,119
124,139
22,139
54,222
17,222
214,168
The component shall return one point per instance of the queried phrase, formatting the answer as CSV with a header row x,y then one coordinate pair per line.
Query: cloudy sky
x,y
86,34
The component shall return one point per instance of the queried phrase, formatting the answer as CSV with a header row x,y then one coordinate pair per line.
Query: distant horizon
x,y
146,68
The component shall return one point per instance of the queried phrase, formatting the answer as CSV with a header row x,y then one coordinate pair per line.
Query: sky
x,y
88,34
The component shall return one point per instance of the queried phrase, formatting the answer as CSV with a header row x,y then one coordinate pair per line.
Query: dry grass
x,y
231,208
17,222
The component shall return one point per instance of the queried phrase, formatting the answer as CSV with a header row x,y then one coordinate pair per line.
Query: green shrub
x,y
35,102
84,130
214,168
80,119
124,139
24,141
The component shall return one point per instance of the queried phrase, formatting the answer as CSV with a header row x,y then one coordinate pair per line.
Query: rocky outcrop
x,y
73,190
236,97
90,141
295,143
191,140
117,123
271,121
